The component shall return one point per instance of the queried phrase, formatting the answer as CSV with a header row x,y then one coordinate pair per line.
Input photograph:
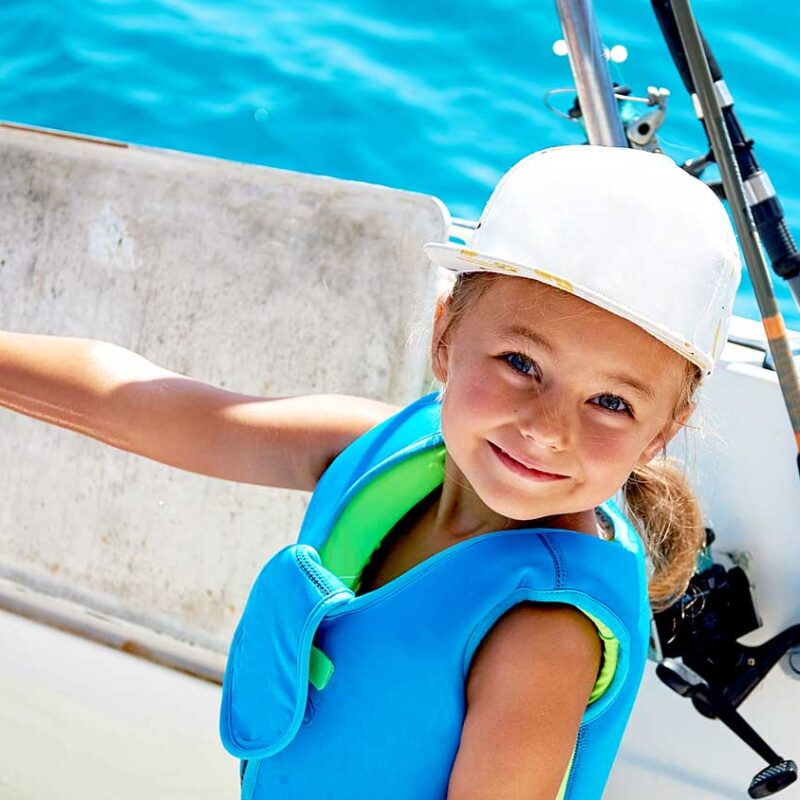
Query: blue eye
x,y
520,363
611,402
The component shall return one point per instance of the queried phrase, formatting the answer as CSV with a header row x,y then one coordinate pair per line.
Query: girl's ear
x,y
662,439
439,340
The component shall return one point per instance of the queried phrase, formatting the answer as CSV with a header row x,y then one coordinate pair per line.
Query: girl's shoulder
x,y
527,690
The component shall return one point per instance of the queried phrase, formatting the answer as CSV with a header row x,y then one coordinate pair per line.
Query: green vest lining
x,y
375,510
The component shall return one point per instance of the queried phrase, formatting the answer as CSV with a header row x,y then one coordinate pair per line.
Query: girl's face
x,y
550,402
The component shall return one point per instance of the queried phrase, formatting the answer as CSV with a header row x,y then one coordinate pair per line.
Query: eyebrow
x,y
617,377
626,380
537,339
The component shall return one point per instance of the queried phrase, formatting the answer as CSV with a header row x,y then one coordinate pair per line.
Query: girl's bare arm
x,y
527,689
120,398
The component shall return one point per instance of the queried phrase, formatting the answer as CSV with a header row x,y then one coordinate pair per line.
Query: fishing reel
x,y
699,657
640,124
641,117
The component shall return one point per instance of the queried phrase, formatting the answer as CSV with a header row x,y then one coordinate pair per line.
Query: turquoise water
x,y
436,97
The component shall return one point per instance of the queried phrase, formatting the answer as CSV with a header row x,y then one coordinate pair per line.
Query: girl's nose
x,y
546,424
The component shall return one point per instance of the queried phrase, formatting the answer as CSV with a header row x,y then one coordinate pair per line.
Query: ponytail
x,y
664,510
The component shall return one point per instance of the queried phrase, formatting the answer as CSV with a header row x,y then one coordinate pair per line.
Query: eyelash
x,y
507,358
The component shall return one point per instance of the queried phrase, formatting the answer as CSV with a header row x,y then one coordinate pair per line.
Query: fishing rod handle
x,y
767,214
669,28
778,242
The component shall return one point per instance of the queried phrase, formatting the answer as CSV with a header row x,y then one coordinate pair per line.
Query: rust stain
x,y
63,134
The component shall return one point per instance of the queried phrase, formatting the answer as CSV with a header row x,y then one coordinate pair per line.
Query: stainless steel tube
x,y
590,70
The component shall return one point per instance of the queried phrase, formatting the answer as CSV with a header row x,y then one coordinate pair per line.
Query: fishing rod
x,y
760,195
734,156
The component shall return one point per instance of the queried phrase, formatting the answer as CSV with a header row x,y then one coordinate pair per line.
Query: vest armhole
x,y
615,660
614,638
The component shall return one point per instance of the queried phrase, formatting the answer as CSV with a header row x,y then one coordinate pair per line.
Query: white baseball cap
x,y
627,230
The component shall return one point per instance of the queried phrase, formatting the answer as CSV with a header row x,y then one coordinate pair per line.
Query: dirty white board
x,y
263,281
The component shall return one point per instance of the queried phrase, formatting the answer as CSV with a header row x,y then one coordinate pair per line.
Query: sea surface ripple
x,y
436,97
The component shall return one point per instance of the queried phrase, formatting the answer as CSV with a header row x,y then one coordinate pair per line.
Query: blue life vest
x,y
332,695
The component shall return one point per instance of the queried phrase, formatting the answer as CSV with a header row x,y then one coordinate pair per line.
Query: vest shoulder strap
x,y
414,427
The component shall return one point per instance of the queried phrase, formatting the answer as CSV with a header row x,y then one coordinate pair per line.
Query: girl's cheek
x,y
608,456
476,389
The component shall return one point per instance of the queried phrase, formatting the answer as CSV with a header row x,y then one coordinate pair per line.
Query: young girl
x,y
466,615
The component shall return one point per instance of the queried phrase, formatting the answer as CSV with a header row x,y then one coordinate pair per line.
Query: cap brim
x,y
457,258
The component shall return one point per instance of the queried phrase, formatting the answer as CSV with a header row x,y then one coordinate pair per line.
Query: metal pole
x,y
590,69
734,191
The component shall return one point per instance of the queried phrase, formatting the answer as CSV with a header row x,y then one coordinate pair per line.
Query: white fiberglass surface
x,y
742,461
81,721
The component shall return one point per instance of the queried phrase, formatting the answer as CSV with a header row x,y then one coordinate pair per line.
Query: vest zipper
x,y
575,763
322,583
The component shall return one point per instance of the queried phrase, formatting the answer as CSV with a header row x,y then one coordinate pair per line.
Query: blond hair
x,y
658,499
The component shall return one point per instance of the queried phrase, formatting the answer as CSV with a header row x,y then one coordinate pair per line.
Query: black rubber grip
x,y
669,28
776,238
716,72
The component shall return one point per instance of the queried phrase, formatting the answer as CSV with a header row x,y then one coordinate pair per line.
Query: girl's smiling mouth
x,y
524,468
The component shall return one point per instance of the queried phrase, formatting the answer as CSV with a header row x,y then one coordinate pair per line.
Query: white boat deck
x,y
80,720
